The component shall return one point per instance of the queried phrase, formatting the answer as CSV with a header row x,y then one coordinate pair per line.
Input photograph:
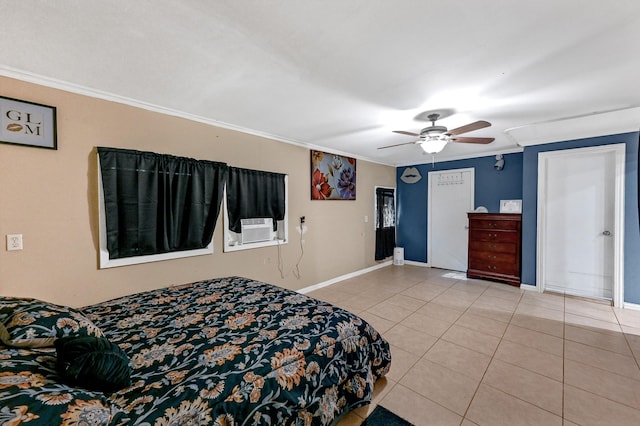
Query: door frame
x,y
618,229
431,175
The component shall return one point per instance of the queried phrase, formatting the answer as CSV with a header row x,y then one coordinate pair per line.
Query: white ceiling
x,y
341,75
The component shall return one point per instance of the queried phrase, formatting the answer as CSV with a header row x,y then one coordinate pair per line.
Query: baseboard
x,y
633,306
528,287
314,287
414,263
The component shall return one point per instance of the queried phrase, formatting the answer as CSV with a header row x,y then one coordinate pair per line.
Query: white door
x,y
450,199
579,222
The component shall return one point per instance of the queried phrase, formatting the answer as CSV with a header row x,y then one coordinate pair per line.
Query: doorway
x,y
451,197
581,222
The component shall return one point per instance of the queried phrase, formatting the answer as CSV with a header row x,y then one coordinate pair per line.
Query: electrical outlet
x,y
14,242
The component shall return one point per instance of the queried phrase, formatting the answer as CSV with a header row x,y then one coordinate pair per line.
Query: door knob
x,y
606,233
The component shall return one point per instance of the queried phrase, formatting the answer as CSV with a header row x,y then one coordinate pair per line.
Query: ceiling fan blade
x,y
472,140
469,127
399,144
403,132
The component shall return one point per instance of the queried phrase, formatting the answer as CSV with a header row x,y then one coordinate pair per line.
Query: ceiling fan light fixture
x,y
433,145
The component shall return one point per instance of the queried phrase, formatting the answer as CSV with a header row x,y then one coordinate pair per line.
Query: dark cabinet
x,y
494,247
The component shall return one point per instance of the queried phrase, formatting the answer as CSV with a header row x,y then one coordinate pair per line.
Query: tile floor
x,y
473,352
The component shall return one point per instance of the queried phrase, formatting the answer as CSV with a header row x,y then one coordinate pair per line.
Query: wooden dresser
x,y
494,247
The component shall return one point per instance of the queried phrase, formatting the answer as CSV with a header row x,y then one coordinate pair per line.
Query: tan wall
x,y
51,198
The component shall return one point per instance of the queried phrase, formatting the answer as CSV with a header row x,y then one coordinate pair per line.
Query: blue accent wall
x,y
519,180
491,186
632,230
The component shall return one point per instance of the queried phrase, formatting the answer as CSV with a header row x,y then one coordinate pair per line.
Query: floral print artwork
x,y
228,351
333,177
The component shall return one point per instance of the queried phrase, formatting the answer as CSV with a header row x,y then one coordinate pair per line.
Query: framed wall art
x,y
510,206
27,123
333,177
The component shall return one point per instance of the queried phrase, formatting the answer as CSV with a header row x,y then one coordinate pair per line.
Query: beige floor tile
x,y
431,326
613,342
526,385
439,312
504,292
543,300
543,325
417,409
471,339
628,317
380,324
540,312
424,291
534,339
475,288
455,299
586,408
471,363
407,302
531,359
413,341
591,323
633,338
600,358
482,324
401,362
601,382
491,310
446,387
390,311
593,310
492,407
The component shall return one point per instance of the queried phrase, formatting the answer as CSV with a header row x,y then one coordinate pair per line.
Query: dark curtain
x,y
385,223
157,203
254,194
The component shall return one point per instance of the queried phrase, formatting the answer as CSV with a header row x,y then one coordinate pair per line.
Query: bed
x,y
226,351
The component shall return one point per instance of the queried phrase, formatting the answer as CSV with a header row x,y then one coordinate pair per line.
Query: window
x,y
255,209
155,206
385,222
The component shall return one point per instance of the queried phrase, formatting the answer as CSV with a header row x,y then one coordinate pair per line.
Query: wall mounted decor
x,y
510,206
27,123
333,177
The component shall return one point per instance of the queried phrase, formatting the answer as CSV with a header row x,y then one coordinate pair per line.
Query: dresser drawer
x,y
507,225
492,246
494,236
505,268
493,256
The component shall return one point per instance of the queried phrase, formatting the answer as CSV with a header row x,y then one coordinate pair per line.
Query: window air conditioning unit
x,y
256,230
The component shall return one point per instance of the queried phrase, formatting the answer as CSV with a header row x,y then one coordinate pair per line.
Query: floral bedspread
x,y
227,351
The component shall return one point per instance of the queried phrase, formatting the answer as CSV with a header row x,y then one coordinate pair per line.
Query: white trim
x,y
583,126
633,306
99,94
528,287
105,262
618,234
414,263
318,286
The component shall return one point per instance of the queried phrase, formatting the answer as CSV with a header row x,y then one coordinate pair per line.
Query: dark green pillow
x,y
92,363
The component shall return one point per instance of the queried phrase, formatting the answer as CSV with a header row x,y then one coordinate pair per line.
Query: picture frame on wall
x,y
333,176
27,123
510,206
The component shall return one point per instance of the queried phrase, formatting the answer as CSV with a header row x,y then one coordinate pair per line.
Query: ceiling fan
x,y
433,139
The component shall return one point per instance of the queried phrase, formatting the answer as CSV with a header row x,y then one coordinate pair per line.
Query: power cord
x,y
296,268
